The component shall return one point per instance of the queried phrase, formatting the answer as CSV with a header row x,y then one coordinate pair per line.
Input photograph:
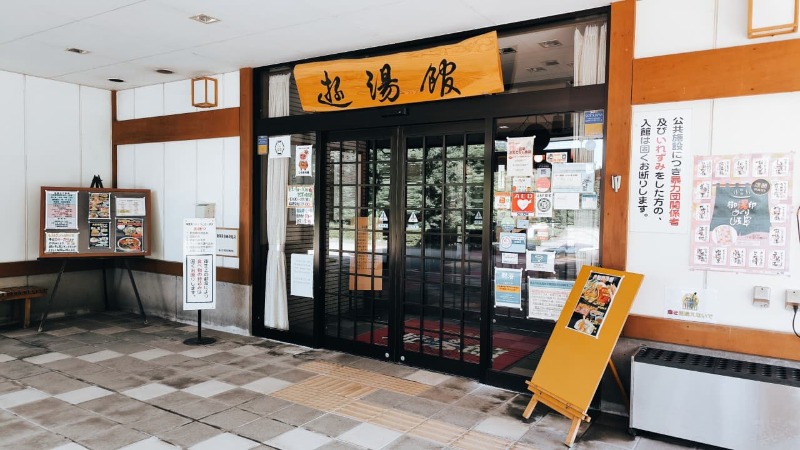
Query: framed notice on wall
x,y
94,222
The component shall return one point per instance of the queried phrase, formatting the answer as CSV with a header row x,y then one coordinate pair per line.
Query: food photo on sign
x,y
593,305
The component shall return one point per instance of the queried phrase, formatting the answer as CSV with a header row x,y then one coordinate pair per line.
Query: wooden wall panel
x,y
719,337
618,131
179,127
725,72
246,155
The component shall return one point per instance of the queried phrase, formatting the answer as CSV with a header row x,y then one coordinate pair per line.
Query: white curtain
x,y
276,310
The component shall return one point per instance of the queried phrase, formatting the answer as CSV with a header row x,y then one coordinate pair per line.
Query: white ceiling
x,y
129,39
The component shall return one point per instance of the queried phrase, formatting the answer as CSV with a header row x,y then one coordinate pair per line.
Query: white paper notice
x,y
302,160
567,200
280,146
61,242
61,211
199,264
510,258
540,261
573,177
302,275
692,305
300,196
130,206
546,298
520,157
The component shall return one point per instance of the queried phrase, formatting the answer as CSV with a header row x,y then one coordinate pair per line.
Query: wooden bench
x,y
23,293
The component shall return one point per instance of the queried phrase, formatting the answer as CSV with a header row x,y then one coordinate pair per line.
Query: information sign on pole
x,y
199,264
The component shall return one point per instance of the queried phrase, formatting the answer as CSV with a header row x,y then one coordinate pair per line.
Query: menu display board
x,y
94,222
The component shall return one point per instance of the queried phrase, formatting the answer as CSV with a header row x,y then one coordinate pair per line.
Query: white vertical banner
x,y
199,264
661,171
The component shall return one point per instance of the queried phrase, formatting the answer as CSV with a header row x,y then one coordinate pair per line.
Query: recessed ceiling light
x,y
204,18
550,62
116,80
551,43
535,69
503,127
507,50
79,51
165,71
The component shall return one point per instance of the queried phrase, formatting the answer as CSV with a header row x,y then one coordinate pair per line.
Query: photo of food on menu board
x,y
596,298
99,205
99,236
129,234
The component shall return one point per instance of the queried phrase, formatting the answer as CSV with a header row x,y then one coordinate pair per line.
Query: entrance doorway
x,y
402,243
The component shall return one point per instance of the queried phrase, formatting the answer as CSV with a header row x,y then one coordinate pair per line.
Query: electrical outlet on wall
x,y
792,298
761,296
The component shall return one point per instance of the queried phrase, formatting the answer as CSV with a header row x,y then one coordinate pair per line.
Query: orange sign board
x,y
585,335
468,68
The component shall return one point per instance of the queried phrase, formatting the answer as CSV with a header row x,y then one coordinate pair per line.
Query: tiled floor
x,y
107,381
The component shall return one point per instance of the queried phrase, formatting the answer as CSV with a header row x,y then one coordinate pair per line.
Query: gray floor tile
x,y
331,425
230,418
199,409
112,438
189,434
85,428
407,442
263,430
36,441
294,375
53,383
386,398
160,422
236,396
479,403
296,415
174,400
264,405
14,370
462,417
422,406
442,394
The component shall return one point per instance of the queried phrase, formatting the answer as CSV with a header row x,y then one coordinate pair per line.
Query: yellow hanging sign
x,y
468,68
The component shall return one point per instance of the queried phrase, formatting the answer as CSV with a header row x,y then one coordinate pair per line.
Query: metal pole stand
x,y
199,340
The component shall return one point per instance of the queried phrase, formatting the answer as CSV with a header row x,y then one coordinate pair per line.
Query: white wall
x,y
678,26
738,125
184,173
51,133
180,175
174,98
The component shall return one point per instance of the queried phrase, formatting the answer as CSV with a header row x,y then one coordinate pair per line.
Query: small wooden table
x,y
23,293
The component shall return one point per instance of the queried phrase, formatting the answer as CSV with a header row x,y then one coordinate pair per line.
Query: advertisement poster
x,y
302,160
566,200
130,206
520,157
508,287
199,264
302,275
521,184
593,305
522,202
280,147
546,298
129,234
61,210
741,216
660,171
300,196
61,242
99,235
99,205
692,305
512,242
541,261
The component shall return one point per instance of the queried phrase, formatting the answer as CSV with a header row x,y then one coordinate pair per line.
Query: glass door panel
x,y
441,283
357,294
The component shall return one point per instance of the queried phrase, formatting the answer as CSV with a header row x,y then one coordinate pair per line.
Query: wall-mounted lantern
x,y
204,92
771,17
